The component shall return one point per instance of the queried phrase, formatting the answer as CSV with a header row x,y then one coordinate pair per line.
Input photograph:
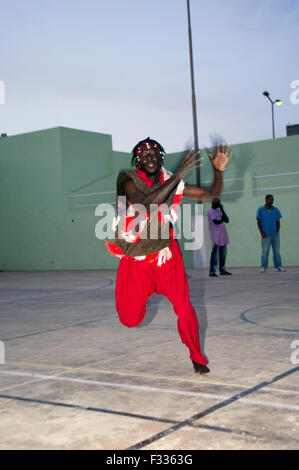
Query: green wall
x,y
53,180
31,199
87,170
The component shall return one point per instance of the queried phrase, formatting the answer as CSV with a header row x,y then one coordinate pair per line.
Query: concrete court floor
x,y
73,377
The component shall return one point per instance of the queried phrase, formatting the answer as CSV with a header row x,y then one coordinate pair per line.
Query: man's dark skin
x,y
268,205
151,161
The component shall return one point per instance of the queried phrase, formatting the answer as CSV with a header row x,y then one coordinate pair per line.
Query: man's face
x,y
269,201
150,160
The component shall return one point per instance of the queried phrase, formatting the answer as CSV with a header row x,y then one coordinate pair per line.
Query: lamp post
x,y
278,103
195,133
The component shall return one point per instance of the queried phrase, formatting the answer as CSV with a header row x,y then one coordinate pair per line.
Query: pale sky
x,y
122,68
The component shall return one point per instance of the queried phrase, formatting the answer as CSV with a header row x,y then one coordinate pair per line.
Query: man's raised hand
x,y
190,162
222,157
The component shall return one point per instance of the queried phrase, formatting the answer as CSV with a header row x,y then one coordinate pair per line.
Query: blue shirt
x,y
268,219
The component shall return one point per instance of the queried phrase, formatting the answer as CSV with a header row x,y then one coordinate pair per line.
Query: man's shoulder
x,y
123,176
276,210
126,171
126,174
260,211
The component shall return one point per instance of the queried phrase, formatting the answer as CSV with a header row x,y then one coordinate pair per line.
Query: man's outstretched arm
x,y
160,195
190,162
200,194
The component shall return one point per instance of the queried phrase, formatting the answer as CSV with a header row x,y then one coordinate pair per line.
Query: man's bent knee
x,y
128,323
131,320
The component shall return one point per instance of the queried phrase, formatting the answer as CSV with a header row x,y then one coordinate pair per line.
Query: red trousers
x,y
138,280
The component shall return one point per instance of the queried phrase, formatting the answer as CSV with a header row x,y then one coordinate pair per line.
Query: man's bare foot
x,y
200,369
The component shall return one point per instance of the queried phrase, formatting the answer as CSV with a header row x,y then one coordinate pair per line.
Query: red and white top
x,y
130,236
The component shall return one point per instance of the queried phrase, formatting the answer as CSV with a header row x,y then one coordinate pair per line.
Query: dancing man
x,y
150,257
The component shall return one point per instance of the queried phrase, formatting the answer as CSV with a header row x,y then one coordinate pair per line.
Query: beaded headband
x,y
148,146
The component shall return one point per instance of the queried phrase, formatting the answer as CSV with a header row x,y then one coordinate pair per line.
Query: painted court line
x,y
144,388
139,375
212,409
87,408
239,432
58,328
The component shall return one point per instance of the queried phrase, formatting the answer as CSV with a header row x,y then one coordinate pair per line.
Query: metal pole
x,y
266,93
195,133
273,130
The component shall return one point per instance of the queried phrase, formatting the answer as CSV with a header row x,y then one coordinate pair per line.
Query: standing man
x,y
216,218
154,264
268,221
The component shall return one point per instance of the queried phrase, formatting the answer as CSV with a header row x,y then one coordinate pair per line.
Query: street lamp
x,y
278,103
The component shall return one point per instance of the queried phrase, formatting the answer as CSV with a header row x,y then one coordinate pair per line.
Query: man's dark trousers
x,y
214,258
